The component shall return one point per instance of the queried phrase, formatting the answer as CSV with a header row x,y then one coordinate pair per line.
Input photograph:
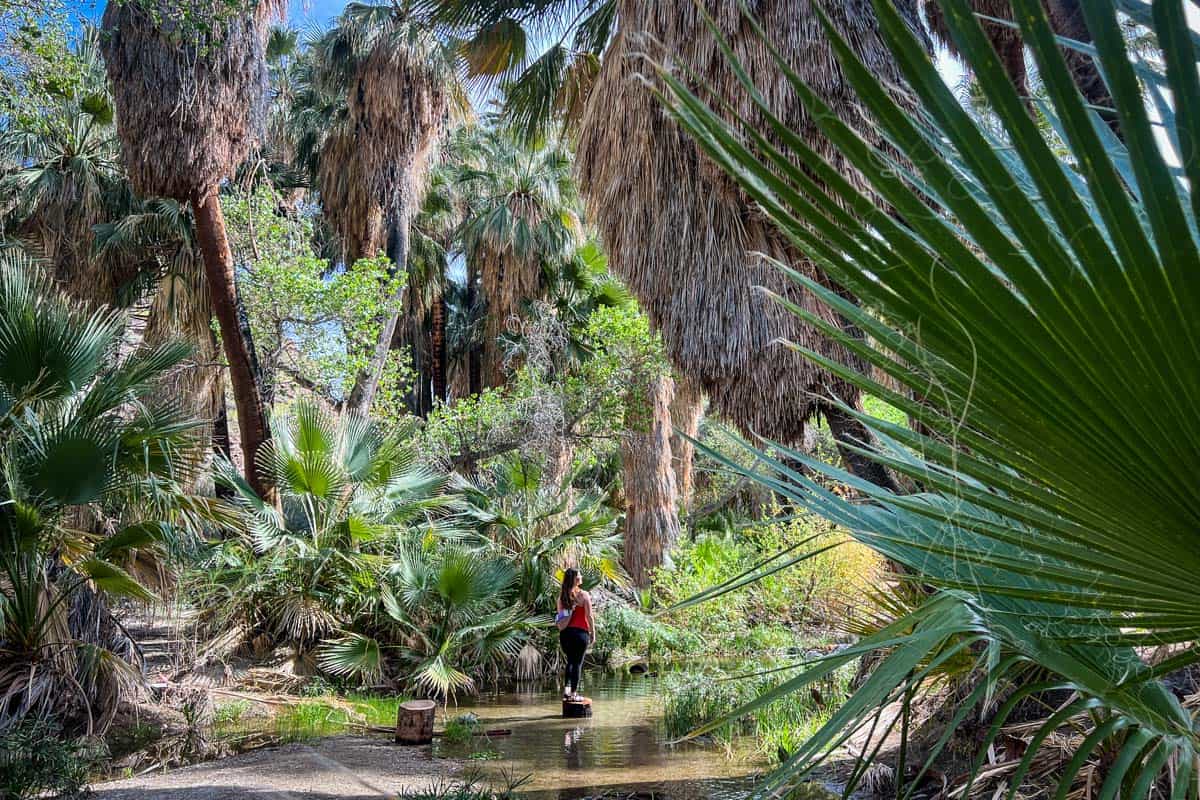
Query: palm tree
x,y
90,475
1066,18
682,236
1058,520
62,176
397,83
522,224
687,410
207,75
651,515
351,498
69,201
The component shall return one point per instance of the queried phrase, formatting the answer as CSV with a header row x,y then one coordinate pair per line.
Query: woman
x,y
575,628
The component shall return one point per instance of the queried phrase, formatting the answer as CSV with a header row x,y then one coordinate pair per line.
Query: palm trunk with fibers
x,y
437,342
367,383
1066,18
651,517
495,293
687,408
683,236
239,351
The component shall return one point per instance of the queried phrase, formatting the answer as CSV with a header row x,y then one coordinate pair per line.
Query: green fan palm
x,y
351,495
90,477
448,614
1040,313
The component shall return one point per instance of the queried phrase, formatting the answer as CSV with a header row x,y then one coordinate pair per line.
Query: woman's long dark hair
x,y
568,587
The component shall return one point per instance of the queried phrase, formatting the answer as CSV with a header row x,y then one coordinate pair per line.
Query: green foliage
x,y
772,612
80,439
620,629
36,760
353,498
460,729
312,324
696,698
1054,520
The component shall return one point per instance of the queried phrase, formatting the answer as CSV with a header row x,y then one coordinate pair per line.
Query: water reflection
x,y
621,751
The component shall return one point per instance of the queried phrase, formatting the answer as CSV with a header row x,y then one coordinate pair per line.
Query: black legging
x,y
574,643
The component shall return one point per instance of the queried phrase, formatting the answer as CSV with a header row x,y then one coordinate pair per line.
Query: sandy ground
x,y
343,767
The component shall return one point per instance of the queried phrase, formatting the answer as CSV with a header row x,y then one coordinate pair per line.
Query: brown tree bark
x,y
687,407
651,517
239,350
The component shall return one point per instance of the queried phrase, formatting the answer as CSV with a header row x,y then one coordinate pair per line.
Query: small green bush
x,y
36,761
460,729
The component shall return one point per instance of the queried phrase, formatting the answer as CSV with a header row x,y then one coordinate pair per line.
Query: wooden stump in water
x,y
577,708
414,722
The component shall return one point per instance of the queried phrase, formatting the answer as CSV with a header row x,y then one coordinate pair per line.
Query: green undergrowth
x,y
798,608
698,697
308,719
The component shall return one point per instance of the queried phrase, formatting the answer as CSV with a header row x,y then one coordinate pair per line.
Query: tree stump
x,y
577,708
414,722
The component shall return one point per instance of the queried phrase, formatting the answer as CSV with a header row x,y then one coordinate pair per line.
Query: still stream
x,y
621,750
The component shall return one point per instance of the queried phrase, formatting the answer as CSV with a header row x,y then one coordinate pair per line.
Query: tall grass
x,y
305,721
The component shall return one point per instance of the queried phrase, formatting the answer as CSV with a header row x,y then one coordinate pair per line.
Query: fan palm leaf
x,y
1042,308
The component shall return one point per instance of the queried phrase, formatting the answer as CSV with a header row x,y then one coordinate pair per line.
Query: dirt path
x,y
330,769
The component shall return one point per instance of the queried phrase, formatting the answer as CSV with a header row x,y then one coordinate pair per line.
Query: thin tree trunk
x,y
437,337
474,356
651,517
239,349
848,430
367,382
687,407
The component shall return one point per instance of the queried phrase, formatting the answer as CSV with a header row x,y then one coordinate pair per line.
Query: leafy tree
x,y
315,325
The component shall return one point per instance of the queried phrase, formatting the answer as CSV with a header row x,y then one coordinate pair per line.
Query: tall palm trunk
x,y
687,407
437,342
651,519
367,382
239,350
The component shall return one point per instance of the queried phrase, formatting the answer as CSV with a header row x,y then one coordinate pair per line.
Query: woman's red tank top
x,y
579,618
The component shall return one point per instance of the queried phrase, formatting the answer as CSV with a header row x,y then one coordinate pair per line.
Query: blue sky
x,y
299,13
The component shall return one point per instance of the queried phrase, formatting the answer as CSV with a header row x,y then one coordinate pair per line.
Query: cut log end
x,y
414,722
577,708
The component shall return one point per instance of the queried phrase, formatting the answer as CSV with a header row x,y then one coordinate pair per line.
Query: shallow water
x,y
620,750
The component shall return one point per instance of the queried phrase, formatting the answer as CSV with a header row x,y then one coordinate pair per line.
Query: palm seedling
x,y
1034,298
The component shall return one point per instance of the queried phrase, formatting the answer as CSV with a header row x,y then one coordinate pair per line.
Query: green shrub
x,y
460,729
770,614
627,630
35,761
697,698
